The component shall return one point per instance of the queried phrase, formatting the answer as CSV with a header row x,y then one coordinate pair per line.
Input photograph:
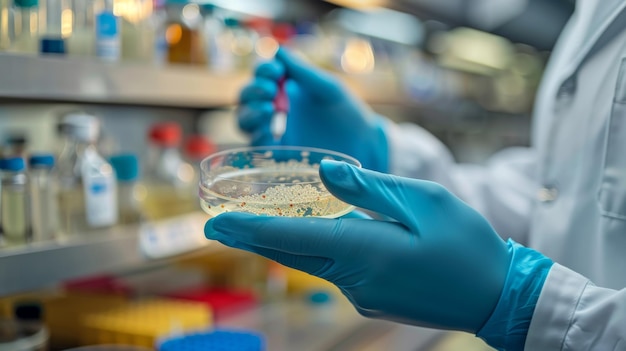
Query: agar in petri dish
x,y
270,181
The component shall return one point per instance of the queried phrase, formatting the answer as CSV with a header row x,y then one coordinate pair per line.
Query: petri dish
x,y
270,181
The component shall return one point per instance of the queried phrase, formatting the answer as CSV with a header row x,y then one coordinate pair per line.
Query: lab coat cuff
x,y
508,325
555,309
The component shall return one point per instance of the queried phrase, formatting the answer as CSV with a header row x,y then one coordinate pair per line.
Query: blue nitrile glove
x,y
439,264
322,112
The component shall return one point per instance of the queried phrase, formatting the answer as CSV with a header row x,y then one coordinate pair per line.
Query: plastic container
x,y
111,347
14,206
44,195
223,340
223,302
143,323
272,181
108,34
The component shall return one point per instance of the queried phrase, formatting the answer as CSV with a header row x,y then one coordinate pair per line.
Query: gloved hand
x,y
439,264
322,112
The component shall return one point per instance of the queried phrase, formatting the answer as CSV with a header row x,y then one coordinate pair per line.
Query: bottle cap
x,y
41,160
52,46
223,340
165,134
198,147
81,126
14,164
26,3
126,167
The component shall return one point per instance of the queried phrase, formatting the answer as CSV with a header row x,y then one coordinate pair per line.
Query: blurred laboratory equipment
x,y
168,177
6,25
108,33
44,197
184,33
16,223
130,192
87,195
27,27
83,38
138,30
56,28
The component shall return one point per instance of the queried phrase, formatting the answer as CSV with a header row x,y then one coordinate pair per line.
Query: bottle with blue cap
x,y
43,197
108,34
129,192
14,205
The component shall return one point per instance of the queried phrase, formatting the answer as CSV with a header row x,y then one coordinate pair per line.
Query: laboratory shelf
x,y
80,80
44,264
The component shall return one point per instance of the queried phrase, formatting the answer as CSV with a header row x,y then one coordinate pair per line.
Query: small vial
x,y
14,207
129,191
27,35
43,192
108,38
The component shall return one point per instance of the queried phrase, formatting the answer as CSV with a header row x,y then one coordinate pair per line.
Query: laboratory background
x,y
110,251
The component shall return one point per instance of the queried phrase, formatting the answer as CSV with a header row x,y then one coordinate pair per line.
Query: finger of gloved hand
x,y
255,114
320,237
263,136
259,89
311,79
310,264
272,70
383,193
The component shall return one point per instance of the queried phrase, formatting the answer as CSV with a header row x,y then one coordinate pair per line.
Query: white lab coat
x,y
565,196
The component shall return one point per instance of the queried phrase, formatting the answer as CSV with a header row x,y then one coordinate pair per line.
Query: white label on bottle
x,y
173,236
108,41
100,200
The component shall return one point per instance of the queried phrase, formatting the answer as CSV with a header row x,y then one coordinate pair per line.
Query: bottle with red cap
x,y
168,177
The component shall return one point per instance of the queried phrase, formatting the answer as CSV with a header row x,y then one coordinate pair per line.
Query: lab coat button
x,y
547,194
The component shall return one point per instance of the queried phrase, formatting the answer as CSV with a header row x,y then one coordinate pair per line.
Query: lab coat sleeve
x,y
502,190
572,314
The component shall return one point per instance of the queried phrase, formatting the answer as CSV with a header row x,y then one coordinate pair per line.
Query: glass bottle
x,y
184,33
138,32
83,38
87,194
27,36
55,26
15,212
44,193
108,34
6,25
129,191
168,177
